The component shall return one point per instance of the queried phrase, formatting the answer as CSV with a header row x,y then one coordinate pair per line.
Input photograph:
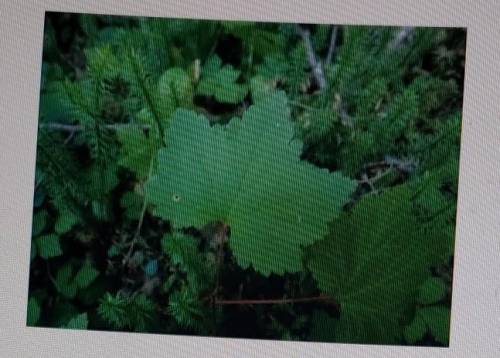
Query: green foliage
x,y
85,276
373,262
64,283
416,330
183,252
186,308
39,222
432,319
181,249
65,221
259,39
322,327
78,322
132,312
48,246
70,280
132,203
431,291
59,177
375,111
230,164
432,316
221,82
137,150
287,69
189,173
34,311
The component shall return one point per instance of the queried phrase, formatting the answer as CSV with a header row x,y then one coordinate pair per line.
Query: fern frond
x,y
139,77
183,251
60,176
126,312
113,310
185,307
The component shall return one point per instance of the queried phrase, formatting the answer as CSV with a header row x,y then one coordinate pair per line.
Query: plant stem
x,y
320,298
49,275
401,37
300,105
141,219
72,128
333,43
316,67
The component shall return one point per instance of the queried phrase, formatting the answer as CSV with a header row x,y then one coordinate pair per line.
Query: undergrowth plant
x,y
241,179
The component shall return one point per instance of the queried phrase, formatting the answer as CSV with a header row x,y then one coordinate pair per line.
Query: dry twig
x,y
316,66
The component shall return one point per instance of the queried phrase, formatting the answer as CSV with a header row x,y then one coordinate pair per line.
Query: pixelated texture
x,y
371,262
248,175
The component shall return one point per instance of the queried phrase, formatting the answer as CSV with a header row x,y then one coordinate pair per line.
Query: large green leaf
x,y
39,222
247,174
373,262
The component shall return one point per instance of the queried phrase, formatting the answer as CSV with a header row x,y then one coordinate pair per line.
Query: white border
x,y
474,323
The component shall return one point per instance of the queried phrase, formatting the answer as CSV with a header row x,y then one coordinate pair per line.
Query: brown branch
x,y
137,234
316,66
320,298
73,128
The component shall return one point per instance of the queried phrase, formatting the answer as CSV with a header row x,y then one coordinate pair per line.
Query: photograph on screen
x,y
244,179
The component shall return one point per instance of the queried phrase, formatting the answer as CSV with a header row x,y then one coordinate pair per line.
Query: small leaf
x,y
39,222
249,176
186,309
78,322
38,198
65,221
438,321
220,81
433,290
180,248
64,281
260,88
62,311
137,150
168,284
415,331
175,85
48,246
113,251
33,312
86,275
